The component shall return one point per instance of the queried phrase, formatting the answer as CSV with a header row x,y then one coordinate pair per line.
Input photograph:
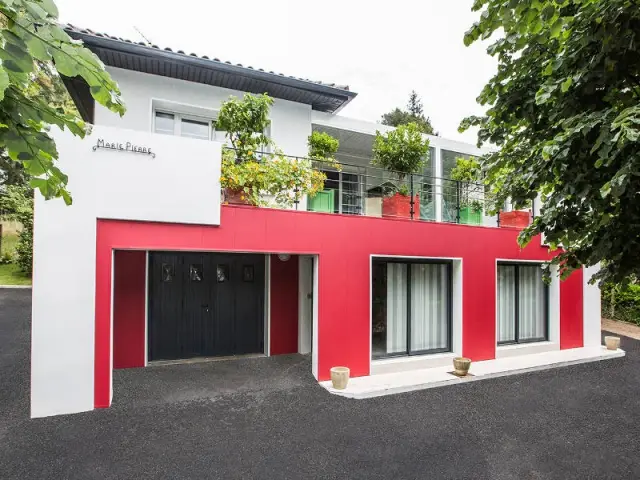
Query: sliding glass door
x,y
522,303
411,307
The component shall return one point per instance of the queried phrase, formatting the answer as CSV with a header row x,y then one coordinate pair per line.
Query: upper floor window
x,y
186,126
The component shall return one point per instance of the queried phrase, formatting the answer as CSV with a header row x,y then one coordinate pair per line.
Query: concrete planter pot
x,y
612,343
340,377
461,366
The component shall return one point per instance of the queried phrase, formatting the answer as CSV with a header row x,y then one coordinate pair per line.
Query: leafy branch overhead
x,y
564,110
32,42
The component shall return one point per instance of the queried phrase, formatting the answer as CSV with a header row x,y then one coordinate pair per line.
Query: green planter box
x,y
469,216
322,202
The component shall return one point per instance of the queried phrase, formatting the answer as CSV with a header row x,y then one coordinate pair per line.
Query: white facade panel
x,y
141,92
111,184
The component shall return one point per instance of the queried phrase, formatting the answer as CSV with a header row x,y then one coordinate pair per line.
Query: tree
x,y
17,203
401,151
34,47
564,110
413,114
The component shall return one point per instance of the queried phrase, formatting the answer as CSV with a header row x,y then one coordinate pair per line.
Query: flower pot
x,y
339,377
515,219
470,216
399,206
461,366
612,343
236,197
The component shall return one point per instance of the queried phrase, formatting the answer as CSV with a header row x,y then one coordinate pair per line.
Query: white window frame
x,y
177,122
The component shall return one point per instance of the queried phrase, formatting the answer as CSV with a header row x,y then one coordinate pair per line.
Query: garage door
x,y
205,304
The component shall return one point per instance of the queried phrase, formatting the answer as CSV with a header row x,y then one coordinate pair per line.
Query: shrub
x,y
621,302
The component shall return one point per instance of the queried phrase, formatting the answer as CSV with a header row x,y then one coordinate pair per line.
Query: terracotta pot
x,y
612,343
399,206
340,377
461,366
515,219
236,197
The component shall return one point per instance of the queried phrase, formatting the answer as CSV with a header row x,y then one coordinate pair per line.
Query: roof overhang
x,y
128,55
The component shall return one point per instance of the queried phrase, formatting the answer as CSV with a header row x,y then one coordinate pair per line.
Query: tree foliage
x,y
564,110
413,114
246,120
34,49
16,202
401,151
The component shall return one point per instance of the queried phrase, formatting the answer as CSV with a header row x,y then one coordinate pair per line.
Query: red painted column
x,y
284,305
129,301
571,311
344,319
102,362
479,307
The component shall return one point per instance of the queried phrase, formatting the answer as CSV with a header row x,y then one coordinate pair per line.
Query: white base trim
x,y
505,351
392,383
403,364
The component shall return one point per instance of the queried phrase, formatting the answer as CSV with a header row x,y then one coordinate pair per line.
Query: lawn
x,y
10,274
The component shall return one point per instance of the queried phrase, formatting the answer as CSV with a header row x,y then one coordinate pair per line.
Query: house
x,y
148,265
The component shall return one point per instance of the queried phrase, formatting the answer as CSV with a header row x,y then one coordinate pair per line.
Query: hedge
x,y
621,302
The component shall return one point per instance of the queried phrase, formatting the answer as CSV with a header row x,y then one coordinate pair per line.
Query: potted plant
x,y
402,152
322,150
249,175
467,173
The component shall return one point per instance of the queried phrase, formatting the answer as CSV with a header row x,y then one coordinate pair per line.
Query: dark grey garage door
x,y
205,304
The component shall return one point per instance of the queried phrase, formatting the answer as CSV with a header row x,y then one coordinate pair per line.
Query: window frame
x,y
516,317
177,123
416,261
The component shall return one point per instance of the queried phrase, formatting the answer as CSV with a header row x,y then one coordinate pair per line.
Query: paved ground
x,y
621,328
183,422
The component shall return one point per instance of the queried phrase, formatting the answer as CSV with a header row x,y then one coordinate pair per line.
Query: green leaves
x,y
401,151
4,81
564,109
34,52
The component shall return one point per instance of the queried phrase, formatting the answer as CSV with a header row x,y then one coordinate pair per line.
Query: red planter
x,y
236,197
399,206
515,219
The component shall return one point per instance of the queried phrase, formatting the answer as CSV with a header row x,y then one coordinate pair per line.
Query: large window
x,y
411,310
522,303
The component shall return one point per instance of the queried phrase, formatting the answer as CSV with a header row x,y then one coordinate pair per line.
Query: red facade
x,y
344,245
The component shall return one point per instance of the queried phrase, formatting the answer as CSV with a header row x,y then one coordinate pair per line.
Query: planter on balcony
x,y
399,206
470,216
515,219
322,202
236,197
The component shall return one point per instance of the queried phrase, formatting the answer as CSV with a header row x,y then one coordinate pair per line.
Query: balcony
x,y
365,190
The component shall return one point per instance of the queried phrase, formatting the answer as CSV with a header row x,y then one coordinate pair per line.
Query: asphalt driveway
x,y
263,419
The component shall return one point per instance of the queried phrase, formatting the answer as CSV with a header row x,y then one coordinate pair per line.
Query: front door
x,y
205,304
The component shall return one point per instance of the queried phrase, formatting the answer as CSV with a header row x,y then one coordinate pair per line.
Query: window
x,y
183,126
195,272
222,273
411,307
522,304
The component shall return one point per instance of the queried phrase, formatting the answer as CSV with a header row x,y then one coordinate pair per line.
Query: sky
x,y
382,50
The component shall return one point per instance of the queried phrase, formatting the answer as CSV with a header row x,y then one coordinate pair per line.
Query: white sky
x,y
382,50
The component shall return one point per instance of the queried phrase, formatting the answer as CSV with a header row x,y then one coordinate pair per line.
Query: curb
x,y
15,286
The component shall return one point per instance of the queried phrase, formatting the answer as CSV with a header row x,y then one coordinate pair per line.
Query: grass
x,y
10,274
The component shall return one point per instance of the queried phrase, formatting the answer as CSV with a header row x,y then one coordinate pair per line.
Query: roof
x,y
142,57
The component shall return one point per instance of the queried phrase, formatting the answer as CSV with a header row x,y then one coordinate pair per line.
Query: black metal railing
x,y
352,189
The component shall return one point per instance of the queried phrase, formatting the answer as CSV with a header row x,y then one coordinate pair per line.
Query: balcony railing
x,y
352,189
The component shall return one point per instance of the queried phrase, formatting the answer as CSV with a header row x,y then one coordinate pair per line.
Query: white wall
x,y
592,308
290,121
104,184
305,303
